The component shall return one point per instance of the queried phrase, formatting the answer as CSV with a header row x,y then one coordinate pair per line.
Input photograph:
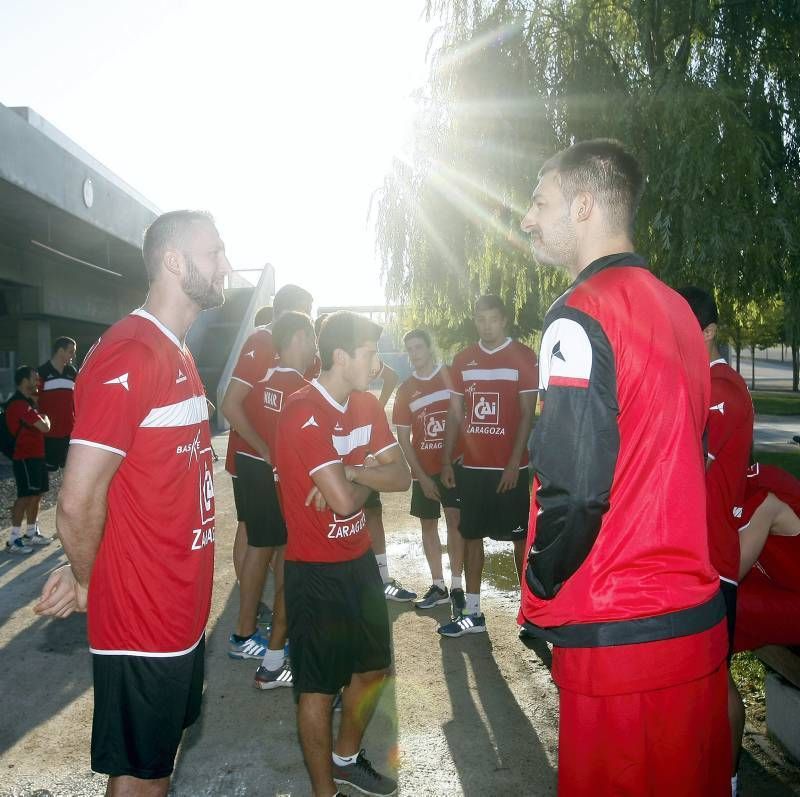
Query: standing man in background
x,y
136,512
27,425
56,400
492,404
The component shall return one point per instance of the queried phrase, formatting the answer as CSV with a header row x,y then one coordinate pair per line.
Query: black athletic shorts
x,y
55,452
729,593
373,500
238,500
141,706
338,622
261,510
31,477
428,509
487,513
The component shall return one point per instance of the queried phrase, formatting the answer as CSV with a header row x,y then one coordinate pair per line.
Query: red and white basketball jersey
x,y
421,403
491,382
139,395
314,432
272,393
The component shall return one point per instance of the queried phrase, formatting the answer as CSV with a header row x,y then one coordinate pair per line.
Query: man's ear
x,y
582,206
172,261
710,332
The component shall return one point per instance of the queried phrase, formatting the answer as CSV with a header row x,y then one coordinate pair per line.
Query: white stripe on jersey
x,y
59,384
183,413
147,653
431,398
491,375
344,444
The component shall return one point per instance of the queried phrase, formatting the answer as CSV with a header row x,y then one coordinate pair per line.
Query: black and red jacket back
x,y
617,535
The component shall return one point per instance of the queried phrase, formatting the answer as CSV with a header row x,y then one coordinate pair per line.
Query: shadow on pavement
x,y
57,667
488,725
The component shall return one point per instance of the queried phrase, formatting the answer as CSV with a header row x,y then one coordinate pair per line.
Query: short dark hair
x,y
168,230
319,322
263,316
604,168
22,373
63,343
287,326
291,297
422,334
702,303
347,331
491,302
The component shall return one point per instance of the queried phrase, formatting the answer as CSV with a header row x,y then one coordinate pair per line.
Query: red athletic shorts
x,y
646,744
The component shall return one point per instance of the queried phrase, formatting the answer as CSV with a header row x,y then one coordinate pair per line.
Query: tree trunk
x,y
738,344
752,366
795,366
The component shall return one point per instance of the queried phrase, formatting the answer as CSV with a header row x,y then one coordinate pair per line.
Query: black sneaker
x,y
458,601
435,596
363,777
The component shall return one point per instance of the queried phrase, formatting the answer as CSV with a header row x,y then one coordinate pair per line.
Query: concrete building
x,y
70,254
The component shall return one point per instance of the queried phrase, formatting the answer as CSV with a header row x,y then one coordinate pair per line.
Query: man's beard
x,y
560,249
204,293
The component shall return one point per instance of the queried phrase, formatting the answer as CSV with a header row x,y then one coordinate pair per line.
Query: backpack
x,y
8,441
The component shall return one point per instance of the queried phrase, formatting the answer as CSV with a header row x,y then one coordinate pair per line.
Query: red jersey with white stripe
x,y
269,399
315,432
139,395
730,438
421,403
56,398
256,358
491,382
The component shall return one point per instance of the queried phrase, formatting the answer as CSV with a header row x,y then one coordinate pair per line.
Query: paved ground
x,y
475,717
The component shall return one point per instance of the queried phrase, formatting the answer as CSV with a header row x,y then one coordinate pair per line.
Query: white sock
x,y
473,603
439,582
16,533
344,760
383,566
32,529
734,785
455,582
273,659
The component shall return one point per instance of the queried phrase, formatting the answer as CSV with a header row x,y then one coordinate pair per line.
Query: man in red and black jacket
x,y
618,575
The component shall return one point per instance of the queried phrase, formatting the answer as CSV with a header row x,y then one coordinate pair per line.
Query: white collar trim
x,y
494,351
329,398
142,313
428,378
720,361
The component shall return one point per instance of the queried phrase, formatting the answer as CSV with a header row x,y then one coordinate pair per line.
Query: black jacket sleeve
x,y
575,448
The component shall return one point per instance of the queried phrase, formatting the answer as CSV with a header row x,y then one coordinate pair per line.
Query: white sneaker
x,y
18,547
37,539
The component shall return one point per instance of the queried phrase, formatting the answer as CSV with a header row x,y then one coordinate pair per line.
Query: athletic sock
x,y
239,639
734,785
16,533
473,603
344,760
383,566
455,583
273,659
32,530
439,582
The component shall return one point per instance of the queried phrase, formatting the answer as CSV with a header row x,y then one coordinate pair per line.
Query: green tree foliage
x,y
705,92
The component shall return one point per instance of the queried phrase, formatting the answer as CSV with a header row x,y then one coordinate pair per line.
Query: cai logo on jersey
x,y
485,407
433,424
206,494
273,399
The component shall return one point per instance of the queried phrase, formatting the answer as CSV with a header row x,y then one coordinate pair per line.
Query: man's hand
x,y
448,476
317,498
62,595
509,479
429,489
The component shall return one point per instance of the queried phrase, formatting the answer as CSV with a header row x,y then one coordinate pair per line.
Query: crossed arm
x,y
80,519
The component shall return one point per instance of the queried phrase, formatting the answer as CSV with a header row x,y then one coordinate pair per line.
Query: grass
x,y
788,460
774,403
748,673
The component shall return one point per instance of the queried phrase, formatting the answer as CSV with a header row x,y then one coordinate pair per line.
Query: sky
x,y
280,119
